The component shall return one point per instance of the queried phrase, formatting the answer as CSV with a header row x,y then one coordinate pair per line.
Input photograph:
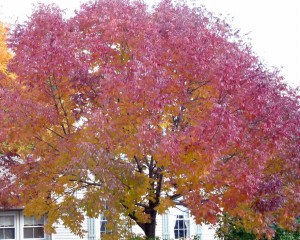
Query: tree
x,y
5,56
6,85
138,110
229,229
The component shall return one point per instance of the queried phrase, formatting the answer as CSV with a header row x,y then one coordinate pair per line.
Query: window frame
x,y
22,219
185,228
15,216
103,220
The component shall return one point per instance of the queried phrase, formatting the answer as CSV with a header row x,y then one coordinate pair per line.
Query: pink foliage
x,y
173,83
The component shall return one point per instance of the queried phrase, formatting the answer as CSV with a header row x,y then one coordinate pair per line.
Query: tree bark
x,y
149,228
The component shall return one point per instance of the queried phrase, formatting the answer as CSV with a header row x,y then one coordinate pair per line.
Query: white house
x,y
177,223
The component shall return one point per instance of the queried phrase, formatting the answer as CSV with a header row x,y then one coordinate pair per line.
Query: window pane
x,y
180,228
176,234
9,233
180,223
182,233
103,227
7,221
1,233
176,225
39,222
33,228
38,232
28,221
28,232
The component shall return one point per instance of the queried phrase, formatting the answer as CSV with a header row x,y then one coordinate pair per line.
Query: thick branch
x,y
65,113
228,157
87,182
56,133
175,196
158,188
139,165
49,144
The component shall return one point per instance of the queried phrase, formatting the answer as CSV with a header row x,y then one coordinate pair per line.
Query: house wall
x,y
208,232
164,228
63,233
166,223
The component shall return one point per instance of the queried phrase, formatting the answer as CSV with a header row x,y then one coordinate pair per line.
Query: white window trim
x,y
173,213
16,221
22,229
103,219
186,222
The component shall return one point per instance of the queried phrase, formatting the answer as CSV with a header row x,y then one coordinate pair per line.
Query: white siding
x,y
159,226
166,223
63,233
164,227
208,233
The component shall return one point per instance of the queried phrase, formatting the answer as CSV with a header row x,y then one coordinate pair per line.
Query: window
x,y
7,227
181,227
103,222
34,228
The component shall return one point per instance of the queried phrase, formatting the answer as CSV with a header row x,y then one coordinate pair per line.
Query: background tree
x,y
229,229
128,111
5,56
6,96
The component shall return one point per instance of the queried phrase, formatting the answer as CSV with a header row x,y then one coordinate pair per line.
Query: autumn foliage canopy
x,y
125,110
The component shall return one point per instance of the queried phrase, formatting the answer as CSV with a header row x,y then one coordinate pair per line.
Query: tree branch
x,y
49,144
56,133
139,165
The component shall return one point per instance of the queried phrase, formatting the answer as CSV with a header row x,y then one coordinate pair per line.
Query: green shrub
x,y
229,230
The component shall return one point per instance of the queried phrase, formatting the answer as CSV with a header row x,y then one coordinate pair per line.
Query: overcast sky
x,y
273,26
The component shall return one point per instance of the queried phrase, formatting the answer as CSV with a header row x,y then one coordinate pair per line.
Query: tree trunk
x,y
149,228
